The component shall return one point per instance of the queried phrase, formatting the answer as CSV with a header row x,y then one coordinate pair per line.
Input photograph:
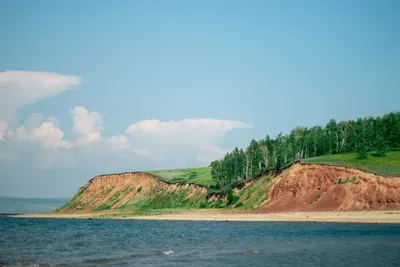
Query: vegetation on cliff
x,y
299,187
135,191
360,137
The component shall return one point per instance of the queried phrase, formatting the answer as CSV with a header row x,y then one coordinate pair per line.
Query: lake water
x,y
63,242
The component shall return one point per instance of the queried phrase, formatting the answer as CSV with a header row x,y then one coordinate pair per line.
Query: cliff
x,y
299,187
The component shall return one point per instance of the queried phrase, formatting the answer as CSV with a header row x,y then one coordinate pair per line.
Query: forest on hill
x,y
378,134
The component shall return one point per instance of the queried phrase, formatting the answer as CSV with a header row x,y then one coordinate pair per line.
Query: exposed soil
x,y
300,187
115,190
313,187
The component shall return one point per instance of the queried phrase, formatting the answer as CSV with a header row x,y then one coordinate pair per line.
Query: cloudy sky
x,y
92,87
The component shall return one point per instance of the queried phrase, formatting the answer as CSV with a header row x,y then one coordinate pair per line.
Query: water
x,y
63,242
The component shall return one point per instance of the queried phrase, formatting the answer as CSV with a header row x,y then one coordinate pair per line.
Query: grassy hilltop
x,y
200,176
388,165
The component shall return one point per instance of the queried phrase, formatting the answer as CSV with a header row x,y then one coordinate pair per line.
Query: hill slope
x,y
134,191
299,187
314,187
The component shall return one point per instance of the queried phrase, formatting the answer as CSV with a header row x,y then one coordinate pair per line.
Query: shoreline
x,y
389,216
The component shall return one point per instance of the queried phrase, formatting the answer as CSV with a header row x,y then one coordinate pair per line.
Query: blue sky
x,y
208,75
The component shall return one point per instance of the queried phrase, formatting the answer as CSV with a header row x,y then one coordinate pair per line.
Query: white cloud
x,y
47,135
3,129
118,142
196,139
170,144
19,88
86,125
186,126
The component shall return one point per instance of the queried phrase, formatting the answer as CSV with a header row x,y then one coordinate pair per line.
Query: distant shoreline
x,y
244,216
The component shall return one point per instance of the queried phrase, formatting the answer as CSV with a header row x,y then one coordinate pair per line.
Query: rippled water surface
x,y
63,242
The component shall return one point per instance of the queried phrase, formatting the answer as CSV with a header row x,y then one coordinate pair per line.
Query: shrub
x,y
139,189
218,204
103,207
203,205
240,204
232,199
348,180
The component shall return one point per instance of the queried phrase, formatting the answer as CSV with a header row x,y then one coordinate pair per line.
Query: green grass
x,y
113,199
388,165
153,200
161,198
73,203
200,176
255,194
250,197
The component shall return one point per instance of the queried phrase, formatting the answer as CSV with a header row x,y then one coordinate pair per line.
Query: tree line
x,y
360,136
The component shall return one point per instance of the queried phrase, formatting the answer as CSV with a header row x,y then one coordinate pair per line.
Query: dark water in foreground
x,y
62,242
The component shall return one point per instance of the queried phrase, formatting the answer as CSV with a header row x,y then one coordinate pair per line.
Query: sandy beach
x,y
211,215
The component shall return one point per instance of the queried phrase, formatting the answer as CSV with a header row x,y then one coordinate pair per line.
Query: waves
x,y
167,252
80,243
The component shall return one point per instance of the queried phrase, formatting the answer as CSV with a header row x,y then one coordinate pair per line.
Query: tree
x,y
358,136
394,137
344,129
362,150
256,158
217,173
316,133
247,164
265,155
332,130
380,146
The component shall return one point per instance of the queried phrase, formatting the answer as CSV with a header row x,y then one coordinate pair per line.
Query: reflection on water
x,y
63,242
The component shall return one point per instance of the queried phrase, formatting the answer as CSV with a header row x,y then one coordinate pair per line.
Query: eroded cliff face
x,y
300,187
134,191
313,187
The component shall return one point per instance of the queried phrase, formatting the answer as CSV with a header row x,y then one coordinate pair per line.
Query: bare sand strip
x,y
348,216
